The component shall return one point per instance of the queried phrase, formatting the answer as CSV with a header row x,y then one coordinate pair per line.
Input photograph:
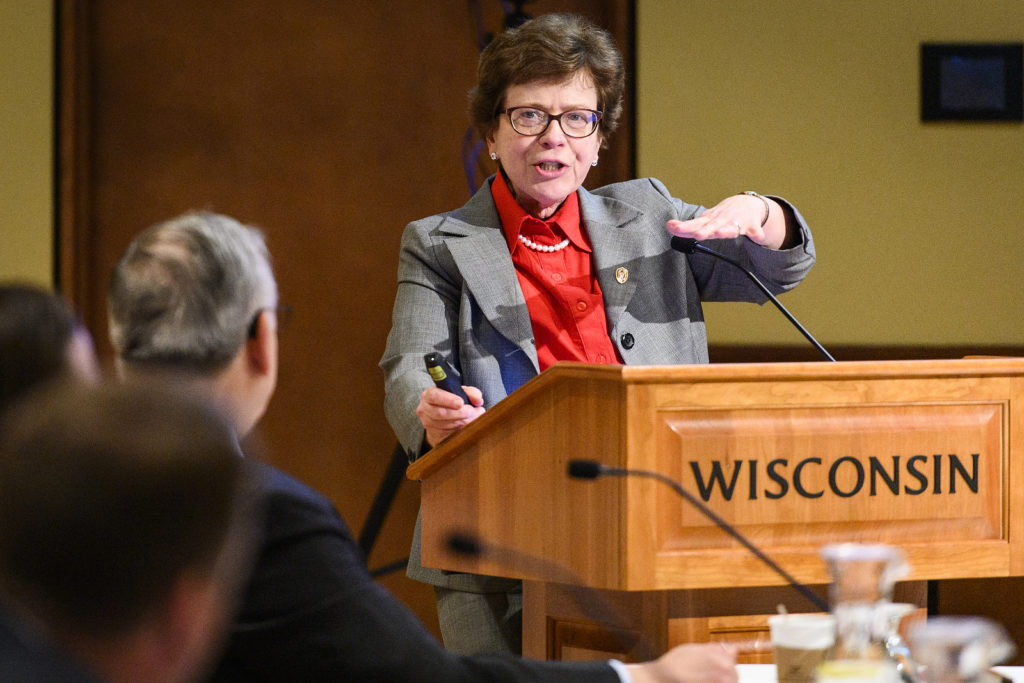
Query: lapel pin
x,y
621,275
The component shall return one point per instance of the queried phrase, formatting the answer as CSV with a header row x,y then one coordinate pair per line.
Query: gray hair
x,y
186,291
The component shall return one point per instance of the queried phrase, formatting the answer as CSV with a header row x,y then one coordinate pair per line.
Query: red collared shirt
x,y
562,293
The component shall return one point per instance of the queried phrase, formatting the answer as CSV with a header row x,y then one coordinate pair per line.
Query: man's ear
x,y
259,349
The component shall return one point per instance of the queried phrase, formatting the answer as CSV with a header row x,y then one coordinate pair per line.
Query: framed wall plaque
x,y
971,81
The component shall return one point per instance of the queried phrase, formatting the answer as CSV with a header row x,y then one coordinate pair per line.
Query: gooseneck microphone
x,y
589,469
589,602
689,245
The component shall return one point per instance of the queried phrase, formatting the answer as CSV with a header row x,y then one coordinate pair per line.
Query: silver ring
x,y
739,228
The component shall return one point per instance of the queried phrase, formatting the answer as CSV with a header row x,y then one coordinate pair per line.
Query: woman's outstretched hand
x,y
735,216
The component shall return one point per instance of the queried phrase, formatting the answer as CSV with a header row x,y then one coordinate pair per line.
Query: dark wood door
x,y
328,124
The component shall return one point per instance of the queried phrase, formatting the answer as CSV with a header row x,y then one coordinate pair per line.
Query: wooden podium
x,y
794,455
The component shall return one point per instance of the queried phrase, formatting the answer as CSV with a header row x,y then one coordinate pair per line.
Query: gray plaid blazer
x,y
458,294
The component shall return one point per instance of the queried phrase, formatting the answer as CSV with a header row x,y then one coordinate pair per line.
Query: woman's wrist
x,y
764,200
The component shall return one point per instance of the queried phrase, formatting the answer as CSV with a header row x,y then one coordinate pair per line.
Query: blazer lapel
x,y
615,246
478,246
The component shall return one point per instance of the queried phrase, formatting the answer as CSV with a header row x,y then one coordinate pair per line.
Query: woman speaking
x,y
534,269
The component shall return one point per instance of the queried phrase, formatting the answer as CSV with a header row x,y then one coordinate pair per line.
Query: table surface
x,y
765,673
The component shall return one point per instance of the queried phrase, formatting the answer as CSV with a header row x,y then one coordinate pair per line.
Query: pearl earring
x,y
594,162
494,157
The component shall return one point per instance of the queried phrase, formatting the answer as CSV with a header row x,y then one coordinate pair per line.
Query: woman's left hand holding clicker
x,y
736,216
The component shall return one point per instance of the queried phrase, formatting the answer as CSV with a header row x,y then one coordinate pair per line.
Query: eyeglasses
x,y
282,311
575,123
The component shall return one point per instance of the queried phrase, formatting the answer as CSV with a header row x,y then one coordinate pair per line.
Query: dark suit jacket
x,y
311,612
27,657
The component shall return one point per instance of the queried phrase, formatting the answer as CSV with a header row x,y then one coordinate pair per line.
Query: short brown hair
x,y
551,49
36,327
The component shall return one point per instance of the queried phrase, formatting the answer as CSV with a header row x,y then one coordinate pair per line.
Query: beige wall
x,y
26,141
919,228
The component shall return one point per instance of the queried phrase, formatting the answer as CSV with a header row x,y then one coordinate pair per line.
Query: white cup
x,y
801,642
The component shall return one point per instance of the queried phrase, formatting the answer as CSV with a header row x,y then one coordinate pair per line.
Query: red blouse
x,y
562,293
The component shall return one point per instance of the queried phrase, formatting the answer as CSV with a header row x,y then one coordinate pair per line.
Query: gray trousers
x,y
480,623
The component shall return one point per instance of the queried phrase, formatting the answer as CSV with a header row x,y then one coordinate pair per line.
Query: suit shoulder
x,y
430,221
645,197
289,501
640,188
422,229
478,212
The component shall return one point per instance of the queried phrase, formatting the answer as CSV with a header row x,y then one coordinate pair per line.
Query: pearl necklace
x,y
540,247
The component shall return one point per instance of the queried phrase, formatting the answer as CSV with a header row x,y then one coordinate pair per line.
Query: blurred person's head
x,y
196,296
40,339
125,520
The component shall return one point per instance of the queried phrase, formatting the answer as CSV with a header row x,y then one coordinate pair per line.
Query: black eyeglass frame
x,y
598,114
282,311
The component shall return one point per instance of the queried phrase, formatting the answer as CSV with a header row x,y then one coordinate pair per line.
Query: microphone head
x,y
687,245
462,543
585,469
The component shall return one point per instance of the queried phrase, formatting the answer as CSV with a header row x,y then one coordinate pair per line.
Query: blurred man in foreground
x,y
125,523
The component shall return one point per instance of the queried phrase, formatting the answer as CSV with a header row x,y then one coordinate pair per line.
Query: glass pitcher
x,y
889,616
959,649
863,577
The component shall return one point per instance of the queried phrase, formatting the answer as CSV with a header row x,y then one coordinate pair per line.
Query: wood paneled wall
x,y
330,125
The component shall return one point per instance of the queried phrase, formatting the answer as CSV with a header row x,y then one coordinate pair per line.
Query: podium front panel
x,y
794,466
921,454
